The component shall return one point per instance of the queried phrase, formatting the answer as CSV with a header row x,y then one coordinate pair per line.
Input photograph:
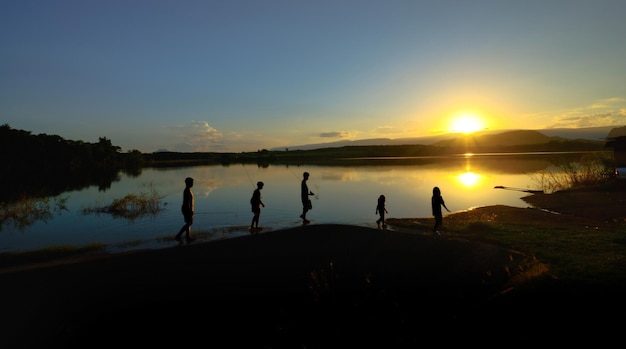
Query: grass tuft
x,y
131,206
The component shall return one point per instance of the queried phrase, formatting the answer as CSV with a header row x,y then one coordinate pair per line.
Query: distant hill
x,y
507,138
501,137
590,133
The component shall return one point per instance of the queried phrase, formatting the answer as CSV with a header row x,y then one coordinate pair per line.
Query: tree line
x,y
23,151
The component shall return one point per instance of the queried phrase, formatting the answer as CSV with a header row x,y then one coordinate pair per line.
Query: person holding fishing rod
x,y
304,195
256,204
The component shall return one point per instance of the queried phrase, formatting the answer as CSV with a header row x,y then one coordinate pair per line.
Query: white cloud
x,y
197,136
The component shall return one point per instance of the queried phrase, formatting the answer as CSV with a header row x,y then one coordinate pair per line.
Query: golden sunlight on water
x,y
468,179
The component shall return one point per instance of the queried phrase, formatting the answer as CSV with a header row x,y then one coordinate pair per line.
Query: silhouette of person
x,y
381,210
187,209
256,204
304,195
437,202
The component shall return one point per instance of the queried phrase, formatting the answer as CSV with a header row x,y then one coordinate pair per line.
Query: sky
x,y
247,75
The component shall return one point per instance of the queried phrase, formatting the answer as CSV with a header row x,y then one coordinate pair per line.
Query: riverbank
x,y
316,286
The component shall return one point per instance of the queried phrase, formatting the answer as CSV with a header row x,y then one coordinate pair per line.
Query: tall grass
x,y
591,170
131,206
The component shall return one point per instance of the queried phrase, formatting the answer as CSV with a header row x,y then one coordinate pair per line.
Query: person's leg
x,y
188,231
304,210
255,221
438,221
180,232
184,228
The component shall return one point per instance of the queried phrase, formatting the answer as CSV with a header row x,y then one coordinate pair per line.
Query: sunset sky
x,y
239,75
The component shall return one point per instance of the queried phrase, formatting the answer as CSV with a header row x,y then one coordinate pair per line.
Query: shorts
x,y
188,216
307,205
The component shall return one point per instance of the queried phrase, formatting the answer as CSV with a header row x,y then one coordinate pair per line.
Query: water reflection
x,y
469,179
22,213
346,193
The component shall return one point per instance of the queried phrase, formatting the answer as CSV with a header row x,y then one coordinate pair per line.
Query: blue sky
x,y
247,75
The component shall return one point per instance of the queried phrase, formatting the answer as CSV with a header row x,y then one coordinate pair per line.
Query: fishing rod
x,y
519,189
317,188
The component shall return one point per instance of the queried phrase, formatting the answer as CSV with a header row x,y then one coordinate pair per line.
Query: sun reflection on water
x,y
469,179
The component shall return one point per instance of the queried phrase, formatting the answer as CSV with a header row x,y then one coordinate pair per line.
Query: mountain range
x,y
501,137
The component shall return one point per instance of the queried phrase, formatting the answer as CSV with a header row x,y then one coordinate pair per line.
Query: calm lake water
x,y
345,194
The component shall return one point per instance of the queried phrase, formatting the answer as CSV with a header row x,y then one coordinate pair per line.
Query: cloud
x,y
605,112
607,103
335,134
586,120
198,136
612,100
386,130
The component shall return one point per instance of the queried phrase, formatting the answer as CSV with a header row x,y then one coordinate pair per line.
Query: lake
x,y
345,193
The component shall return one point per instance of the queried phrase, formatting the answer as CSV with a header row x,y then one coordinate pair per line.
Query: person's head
x,y
259,185
305,175
189,181
436,191
381,198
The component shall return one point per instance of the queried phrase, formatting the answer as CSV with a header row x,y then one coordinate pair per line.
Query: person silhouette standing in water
x,y
437,202
256,204
304,195
187,209
381,210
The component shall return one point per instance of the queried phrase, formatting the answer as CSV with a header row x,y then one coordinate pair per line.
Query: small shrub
x,y
132,206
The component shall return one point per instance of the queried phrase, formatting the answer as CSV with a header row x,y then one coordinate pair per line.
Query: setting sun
x,y
466,123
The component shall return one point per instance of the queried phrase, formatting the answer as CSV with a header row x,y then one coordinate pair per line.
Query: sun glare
x,y
469,179
466,123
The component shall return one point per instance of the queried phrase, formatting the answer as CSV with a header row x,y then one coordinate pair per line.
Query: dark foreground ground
x,y
317,286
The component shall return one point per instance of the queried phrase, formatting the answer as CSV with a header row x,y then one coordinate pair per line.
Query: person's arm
x,y
444,205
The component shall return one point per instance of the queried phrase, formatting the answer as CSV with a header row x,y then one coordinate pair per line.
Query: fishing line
x,y
317,188
294,174
247,174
